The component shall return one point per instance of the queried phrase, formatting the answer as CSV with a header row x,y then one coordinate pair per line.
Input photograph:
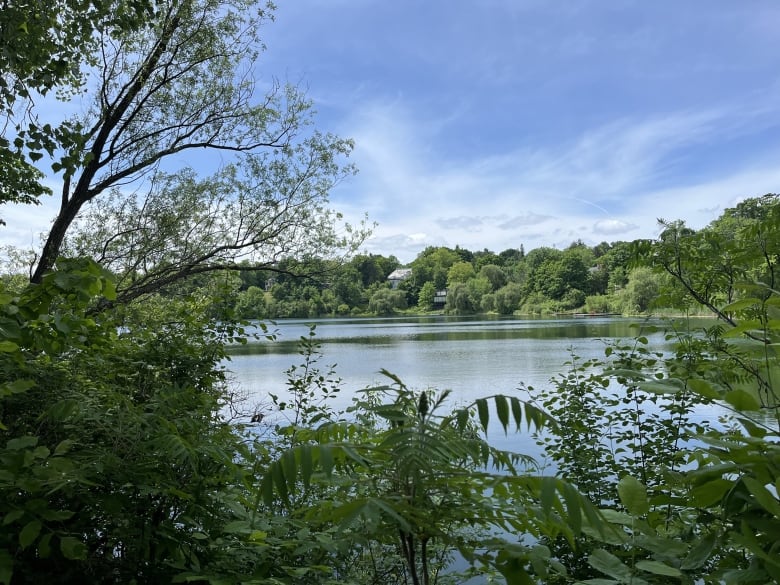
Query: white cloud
x,y
613,227
613,178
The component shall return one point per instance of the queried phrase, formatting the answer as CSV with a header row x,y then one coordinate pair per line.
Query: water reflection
x,y
471,357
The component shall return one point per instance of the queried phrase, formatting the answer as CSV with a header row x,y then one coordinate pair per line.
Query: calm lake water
x,y
471,357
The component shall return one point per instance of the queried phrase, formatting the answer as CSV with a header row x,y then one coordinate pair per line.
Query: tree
x,y
644,286
374,268
414,484
700,499
494,274
466,297
460,272
251,303
511,256
555,276
507,298
432,265
121,460
41,50
483,258
385,301
115,463
426,296
177,85
347,286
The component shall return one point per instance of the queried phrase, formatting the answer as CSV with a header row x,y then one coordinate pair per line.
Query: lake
x,y
471,357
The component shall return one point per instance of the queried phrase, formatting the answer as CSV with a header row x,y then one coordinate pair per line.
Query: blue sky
x,y
537,122
497,123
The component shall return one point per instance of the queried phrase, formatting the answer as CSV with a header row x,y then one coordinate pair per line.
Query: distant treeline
x,y
618,277
598,279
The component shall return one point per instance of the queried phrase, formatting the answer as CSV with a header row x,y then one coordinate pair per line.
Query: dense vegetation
x,y
600,279
126,457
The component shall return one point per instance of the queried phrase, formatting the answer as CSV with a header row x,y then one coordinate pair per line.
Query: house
x,y
440,299
397,276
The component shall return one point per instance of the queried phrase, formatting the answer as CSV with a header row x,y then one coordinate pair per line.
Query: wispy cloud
x,y
610,180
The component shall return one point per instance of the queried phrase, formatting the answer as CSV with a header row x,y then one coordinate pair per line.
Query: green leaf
x,y
280,482
12,516
763,496
658,568
237,527
741,304
267,489
44,546
746,326
502,408
63,409
742,400
21,443
548,493
289,467
8,346
633,494
19,386
700,553
609,564
710,493
307,465
72,548
29,533
326,459
56,515
6,567
63,447
615,517
517,411
484,414
703,388
573,508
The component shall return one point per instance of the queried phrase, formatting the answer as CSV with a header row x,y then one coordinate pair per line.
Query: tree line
x,y
604,279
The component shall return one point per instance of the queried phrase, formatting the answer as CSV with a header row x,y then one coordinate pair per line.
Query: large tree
x,y
185,85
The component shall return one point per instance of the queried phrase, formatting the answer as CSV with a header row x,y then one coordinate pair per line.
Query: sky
x,y
496,123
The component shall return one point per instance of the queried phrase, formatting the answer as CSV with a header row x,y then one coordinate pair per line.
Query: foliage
x,y
410,480
494,274
689,501
641,291
251,304
41,50
89,412
433,264
386,301
426,296
460,272
178,84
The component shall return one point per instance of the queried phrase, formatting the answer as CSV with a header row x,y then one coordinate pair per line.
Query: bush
x,y
596,304
386,301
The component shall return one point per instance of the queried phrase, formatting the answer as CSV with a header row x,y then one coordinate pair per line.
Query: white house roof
x,y
400,274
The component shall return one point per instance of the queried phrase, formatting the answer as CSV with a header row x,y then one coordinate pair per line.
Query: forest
x,y
604,279
609,278
127,456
